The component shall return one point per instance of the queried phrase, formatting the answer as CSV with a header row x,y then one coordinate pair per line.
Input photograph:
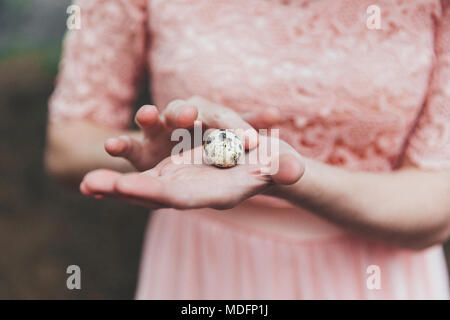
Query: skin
x,y
130,150
408,207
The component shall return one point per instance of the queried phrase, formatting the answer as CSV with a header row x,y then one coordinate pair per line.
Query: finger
x,y
134,201
263,119
125,147
216,116
84,190
147,118
145,186
250,139
290,169
99,182
180,114
139,202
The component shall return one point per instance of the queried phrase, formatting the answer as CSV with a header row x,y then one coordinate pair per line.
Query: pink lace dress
x,y
350,96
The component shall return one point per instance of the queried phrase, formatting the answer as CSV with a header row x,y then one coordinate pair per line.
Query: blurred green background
x,y
43,227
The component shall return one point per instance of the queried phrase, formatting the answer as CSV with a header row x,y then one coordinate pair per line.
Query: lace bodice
x,y
350,96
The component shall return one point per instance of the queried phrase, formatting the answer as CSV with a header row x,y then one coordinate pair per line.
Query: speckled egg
x,y
223,148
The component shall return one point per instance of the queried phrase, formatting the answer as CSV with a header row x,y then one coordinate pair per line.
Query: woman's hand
x,y
416,216
189,185
145,150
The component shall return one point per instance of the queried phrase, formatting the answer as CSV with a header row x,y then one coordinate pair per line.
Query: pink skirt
x,y
189,256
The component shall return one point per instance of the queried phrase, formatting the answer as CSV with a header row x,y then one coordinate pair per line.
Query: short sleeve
x,y
429,145
101,63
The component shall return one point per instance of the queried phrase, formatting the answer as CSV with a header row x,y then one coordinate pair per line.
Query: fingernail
x,y
125,138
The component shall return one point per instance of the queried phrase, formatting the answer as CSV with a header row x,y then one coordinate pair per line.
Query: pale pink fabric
x,y
351,97
188,256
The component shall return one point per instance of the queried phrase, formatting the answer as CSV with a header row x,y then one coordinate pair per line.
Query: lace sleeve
x,y
101,63
429,146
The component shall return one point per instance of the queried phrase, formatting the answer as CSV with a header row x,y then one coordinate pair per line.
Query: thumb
x,y
290,169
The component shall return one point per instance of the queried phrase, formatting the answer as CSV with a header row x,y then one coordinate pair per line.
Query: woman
x,y
359,208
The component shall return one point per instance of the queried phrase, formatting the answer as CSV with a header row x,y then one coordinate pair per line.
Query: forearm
x,y
77,147
408,207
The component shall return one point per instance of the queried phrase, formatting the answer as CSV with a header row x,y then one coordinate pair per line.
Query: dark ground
x,y
44,228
